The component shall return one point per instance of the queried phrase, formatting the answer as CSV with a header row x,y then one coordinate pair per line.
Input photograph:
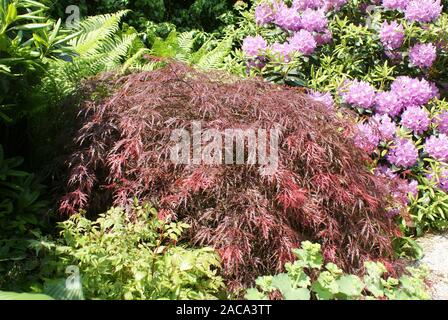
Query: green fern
x,y
133,62
215,58
186,42
99,47
97,31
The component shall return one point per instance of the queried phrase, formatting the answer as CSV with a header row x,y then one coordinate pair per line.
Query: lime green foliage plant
x,y
308,278
133,254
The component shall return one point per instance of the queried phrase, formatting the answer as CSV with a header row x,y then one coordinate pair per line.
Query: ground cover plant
x,y
330,282
132,254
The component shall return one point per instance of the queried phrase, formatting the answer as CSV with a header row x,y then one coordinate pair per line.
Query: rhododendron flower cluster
x,y
264,14
305,21
416,119
379,128
416,10
392,35
403,153
413,92
334,4
442,121
325,98
403,187
423,55
282,51
388,102
385,126
423,10
287,18
323,38
303,42
254,46
437,147
314,20
325,5
307,4
385,171
395,4
367,137
359,94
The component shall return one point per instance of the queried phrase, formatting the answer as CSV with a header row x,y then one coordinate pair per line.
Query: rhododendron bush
x,y
254,216
387,61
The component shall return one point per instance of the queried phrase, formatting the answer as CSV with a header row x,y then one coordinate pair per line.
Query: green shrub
x,y
429,209
28,40
307,278
187,14
132,254
22,214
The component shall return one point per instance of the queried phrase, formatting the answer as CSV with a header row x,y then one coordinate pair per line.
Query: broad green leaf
x,y
297,294
282,282
254,294
4,295
350,285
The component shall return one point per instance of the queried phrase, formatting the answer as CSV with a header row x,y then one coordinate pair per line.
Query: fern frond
x,y
133,61
215,58
203,50
116,49
95,30
186,41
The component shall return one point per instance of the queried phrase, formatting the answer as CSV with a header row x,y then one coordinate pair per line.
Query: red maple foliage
x,y
321,190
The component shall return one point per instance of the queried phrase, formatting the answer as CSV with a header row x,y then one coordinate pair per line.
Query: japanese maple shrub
x,y
321,189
